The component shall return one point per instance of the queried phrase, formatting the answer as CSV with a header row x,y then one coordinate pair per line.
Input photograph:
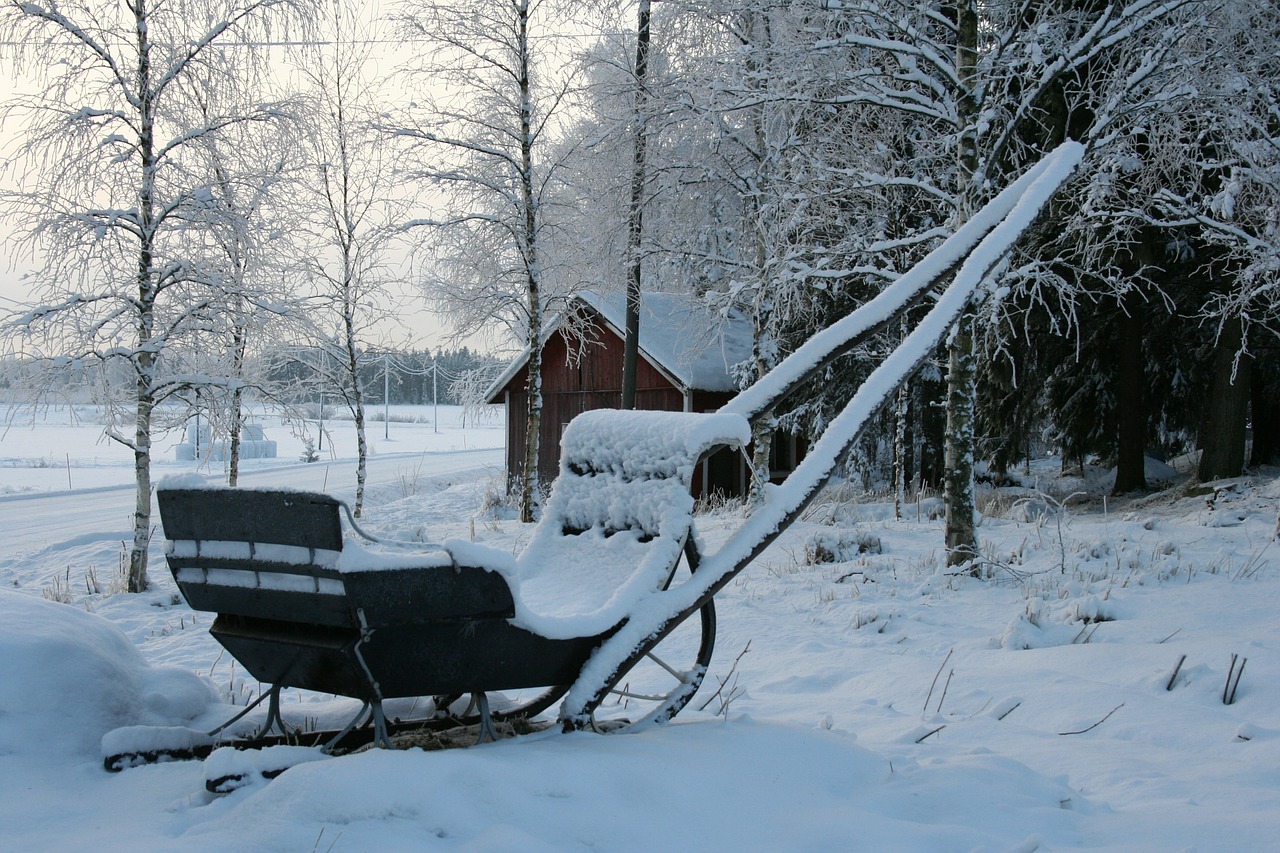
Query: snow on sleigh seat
x,y
301,604
618,519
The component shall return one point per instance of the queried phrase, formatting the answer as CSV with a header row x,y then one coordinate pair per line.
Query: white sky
x,y
417,326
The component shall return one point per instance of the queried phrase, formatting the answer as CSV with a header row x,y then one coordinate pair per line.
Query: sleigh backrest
x,y
270,554
620,512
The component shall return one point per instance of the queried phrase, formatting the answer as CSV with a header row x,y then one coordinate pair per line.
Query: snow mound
x,y
66,677
172,695
231,768
751,785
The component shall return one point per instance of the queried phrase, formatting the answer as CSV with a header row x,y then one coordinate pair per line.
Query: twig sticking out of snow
x,y
1176,669
1082,638
315,847
1095,725
734,690
929,734
1254,564
943,697
936,675
1229,689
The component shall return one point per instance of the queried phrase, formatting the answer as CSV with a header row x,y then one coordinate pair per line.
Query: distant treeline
x,y
413,377
416,377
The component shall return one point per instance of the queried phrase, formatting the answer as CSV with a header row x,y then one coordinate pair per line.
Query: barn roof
x,y
695,345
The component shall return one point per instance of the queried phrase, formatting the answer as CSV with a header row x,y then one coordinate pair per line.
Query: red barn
x,y
686,352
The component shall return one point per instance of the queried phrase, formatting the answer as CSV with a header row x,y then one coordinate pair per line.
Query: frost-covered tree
x,y
249,169
1168,234
991,83
486,135
107,199
738,160
354,206
1218,203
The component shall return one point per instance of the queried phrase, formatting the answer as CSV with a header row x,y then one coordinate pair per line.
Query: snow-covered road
x,y
31,521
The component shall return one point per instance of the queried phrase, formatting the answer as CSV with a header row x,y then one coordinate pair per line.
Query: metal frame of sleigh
x,y
598,609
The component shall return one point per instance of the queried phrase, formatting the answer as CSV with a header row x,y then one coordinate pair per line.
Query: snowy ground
x,y
881,703
62,448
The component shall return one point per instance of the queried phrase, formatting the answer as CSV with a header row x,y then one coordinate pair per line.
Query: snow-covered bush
x,y
839,546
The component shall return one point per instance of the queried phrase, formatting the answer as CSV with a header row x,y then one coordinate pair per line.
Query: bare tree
x,y
106,199
484,136
469,390
354,208
249,169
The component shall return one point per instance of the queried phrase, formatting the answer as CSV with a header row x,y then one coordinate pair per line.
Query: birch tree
x,y
250,169
354,207
486,135
107,203
984,75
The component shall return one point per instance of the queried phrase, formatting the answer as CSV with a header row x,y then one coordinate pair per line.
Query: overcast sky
x,y
420,328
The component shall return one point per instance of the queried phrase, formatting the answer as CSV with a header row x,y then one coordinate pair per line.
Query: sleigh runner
x,y
607,585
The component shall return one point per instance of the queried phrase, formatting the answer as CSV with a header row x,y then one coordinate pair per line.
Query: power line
x,y
580,37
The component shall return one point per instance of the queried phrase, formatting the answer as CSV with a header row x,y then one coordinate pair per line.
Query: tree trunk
x,y
356,398
145,366
137,580
900,451
1223,437
529,485
762,432
233,440
362,447
962,373
961,528
900,437
237,401
931,435
635,224
1131,414
1265,417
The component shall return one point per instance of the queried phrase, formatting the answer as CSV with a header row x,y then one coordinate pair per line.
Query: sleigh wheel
x,y
664,680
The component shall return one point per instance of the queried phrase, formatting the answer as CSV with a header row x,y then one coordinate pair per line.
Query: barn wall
x,y
594,381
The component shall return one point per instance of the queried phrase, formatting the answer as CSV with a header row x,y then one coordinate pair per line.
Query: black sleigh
x,y
609,609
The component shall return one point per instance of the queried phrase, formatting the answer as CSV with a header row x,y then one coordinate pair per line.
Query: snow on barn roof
x,y
693,343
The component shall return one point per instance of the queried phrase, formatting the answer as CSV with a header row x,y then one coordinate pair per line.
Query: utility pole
x,y
386,395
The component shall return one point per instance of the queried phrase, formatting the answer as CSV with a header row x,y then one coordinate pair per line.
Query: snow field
x,y
62,448
881,703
